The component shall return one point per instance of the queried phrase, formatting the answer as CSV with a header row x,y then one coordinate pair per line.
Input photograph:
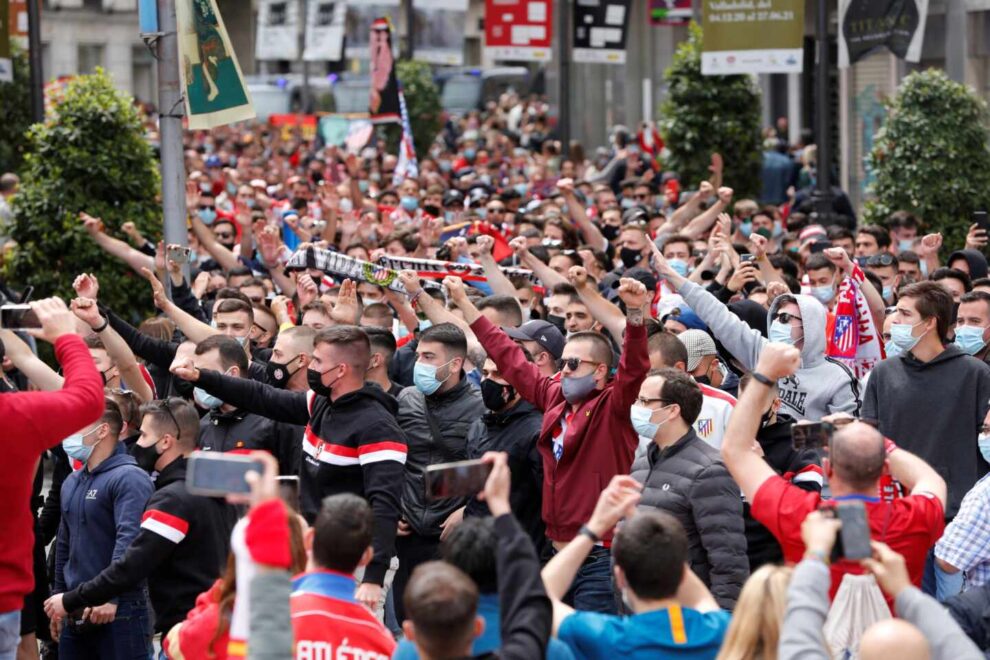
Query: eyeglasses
x,y
572,364
644,401
784,317
642,198
224,234
880,260
496,209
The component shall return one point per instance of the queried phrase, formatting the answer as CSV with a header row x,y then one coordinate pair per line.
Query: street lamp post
x,y
822,195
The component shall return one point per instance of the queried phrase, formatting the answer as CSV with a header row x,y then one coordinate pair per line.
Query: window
x,y
90,57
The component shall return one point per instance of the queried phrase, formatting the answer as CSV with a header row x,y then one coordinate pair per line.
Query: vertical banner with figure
x,y
383,104
325,30
278,30
6,63
600,29
406,167
212,82
752,36
438,31
360,15
866,25
519,30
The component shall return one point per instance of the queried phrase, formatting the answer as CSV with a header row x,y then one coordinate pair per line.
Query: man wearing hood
x,y
971,262
821,386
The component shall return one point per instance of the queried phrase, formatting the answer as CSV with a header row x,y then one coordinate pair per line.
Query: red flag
x,y
501,249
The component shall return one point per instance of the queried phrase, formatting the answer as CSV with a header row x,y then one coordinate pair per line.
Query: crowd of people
x,y
716,427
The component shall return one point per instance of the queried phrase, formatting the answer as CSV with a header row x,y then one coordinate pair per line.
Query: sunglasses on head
x,y
572,364
881,260
785,317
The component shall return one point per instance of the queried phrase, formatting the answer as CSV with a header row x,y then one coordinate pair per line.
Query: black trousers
x,y
412,551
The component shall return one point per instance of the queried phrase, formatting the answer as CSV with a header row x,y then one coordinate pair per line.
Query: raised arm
x,y
688,210
433,308
194,329
634,362
758,246
701,223
269,248
248,394
610,316
497,280
915,474
114,246
29,364
575,209
848,268
547,275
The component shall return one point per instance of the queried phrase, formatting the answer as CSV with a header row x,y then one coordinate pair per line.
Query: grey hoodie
x,y
820,387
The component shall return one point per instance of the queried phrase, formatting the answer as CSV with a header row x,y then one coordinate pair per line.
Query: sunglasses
x,y
642,197
880,260
224,234
572,364
784,317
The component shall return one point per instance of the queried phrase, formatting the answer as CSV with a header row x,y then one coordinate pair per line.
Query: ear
x,y
680,366
827,468
620,578
775,405
308,539
409,630
479,627
366,557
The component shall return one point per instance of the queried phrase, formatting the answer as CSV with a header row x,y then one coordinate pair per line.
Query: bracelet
x,y
889,446
819,555
415,297
106,322
760,378
586,531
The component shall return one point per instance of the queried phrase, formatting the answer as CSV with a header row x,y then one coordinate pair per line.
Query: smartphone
x,y
747,258
980,218
215,474
433,211
178,254
855,531
811,435
820,246
288,490
18,317
457,479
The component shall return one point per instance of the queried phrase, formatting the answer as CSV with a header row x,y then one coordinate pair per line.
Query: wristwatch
x,y
586,531
760,378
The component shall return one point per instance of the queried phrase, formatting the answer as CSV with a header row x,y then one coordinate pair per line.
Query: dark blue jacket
x,y
101,515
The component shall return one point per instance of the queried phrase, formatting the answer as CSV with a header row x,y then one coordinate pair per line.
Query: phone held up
x,y
853,541
458,479
811,435
215,474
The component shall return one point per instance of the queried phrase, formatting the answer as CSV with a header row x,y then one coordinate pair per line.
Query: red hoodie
x,y
599,442
33,422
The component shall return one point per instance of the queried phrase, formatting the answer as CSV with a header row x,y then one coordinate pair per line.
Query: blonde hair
x,y
759,614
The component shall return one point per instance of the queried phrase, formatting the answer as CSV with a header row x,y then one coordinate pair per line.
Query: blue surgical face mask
x,y
640,417
425,324
206,187
250,203
892,350
888,293
969,338
362,186
445,165
206,400
482,213
346,205
983,441
778,228
823,294
76,448
901,336
627,203
521,188
243,341
409,203
425,377
679,265
780,333
231,188
470,154
746,228
905,244
208,215
448,216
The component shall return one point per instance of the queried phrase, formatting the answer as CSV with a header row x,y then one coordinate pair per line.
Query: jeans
x,y
937,583
412,551
128,637
10,634
592,589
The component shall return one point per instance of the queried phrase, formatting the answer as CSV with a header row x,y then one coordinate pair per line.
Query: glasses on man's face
x,y
572,364
785,317
642,198
225,235
646,401
496,209
207,206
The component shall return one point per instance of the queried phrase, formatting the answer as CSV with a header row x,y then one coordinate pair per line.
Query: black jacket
x,y
802,468
689,481
350,445
515,432
971,610
241,431
453,412
181,550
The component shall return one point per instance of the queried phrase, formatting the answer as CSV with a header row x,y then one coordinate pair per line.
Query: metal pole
x,y
823,192
564,114
955,40
170,109
407,8
36,76
305,64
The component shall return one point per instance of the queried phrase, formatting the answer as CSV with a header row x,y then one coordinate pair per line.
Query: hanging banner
x,y
212,81
438,31
6,63
383,101
360,15
600,29
519,29
752,36
670,12
866,25
278,30
325,31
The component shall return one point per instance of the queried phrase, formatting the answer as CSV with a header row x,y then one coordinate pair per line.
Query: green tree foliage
x,y
931,157
707,114
89,155
422,104
15,100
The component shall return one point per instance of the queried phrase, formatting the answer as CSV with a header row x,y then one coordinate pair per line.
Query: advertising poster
x,y
438,31
752,36
866,25
277,37
519,29
600,31
670,12
325,31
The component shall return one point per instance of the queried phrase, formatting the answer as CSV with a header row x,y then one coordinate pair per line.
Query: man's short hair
x,y
678,387
879,233
378,312
174,416
234,305
857,455
301,337
651,548
678,238
507,306
230,293
442,602
564,289
976,296
909,257
231,352
931,300
903,219
353,341
817,261
449,335
837,233
342,532
94,343
601,350
112,417
8,182
944,273
129,407
382,341
671,349
471,548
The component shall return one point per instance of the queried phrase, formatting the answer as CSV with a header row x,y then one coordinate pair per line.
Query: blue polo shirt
x,y
673,632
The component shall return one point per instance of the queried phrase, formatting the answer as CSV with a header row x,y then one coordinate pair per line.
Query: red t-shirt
x,y
909,525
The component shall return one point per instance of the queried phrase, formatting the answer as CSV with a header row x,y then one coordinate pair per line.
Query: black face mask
x,y
558,322
610,232
765,419
146,457
315,381
702,380
495,395
630,257
278,375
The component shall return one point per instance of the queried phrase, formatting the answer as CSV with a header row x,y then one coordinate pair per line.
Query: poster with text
x,y
325,31
360,15
277,37
600,31
438,31
519,29
866,25
752,36
212,82
670,12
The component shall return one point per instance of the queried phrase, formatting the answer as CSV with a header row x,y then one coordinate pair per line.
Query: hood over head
x,y
813,318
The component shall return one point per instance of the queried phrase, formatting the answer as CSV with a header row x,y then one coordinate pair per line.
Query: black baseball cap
x,y
543,333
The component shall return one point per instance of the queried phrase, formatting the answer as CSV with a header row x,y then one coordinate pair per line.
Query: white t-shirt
x,y
714,417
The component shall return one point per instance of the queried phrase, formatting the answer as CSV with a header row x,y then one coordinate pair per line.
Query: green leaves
x,y
707,114
89,155
15,101
931,156
422,103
